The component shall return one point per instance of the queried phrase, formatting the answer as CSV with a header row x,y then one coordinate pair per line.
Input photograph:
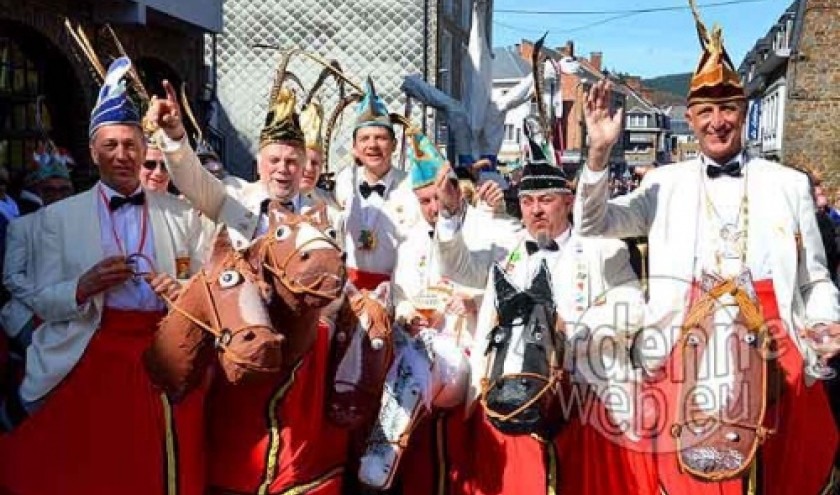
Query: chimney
x,y
595,58
634,83
568,50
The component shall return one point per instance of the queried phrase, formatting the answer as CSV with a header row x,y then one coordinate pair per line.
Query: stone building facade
x,y
813,106
792,78
39,59
384,39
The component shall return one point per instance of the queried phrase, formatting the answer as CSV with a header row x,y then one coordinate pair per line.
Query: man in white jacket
x,y
725,217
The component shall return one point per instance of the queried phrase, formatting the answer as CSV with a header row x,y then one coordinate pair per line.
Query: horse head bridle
x,y
269,261
222,336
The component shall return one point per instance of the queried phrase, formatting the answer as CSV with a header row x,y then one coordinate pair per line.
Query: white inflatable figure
x,y
429,371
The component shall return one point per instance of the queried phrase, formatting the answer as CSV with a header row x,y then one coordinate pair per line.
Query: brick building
x,y
792,77
573,87
165,39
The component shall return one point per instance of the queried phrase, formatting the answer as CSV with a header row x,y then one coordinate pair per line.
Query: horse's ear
x,y
221,246
502,284
383,293
277,214
541,284
317,214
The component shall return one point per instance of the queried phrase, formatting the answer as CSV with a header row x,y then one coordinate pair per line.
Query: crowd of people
x,y
526,348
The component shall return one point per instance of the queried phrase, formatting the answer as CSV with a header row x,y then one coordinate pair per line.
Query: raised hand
x,y
490,193
447,191
165,114
603,124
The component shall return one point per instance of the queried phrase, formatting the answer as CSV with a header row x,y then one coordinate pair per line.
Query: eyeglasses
x,y
152,164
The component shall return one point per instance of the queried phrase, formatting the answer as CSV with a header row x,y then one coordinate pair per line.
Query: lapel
x,y
83,232
166,239
247,217
682,230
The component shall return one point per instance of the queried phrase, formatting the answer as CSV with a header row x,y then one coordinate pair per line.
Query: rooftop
x,y
507,64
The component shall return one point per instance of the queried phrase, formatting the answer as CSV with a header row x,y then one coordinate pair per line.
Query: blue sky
x,y
647,45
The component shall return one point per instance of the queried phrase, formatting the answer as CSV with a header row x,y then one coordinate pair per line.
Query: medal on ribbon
x,y
367,240
182,267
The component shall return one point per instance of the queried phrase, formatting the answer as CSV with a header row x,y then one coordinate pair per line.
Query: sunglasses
x,y
152,164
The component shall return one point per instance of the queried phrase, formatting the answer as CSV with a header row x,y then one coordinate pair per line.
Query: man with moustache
x,y
726,217
86,407
596,295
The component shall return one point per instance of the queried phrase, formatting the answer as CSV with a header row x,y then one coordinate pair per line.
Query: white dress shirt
x,y
121,235
371,215
721,203
262,226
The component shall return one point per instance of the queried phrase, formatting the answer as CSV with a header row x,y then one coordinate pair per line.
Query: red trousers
x,y
105,429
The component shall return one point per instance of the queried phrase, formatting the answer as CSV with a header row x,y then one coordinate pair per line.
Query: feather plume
x,y
85,46
132,72
185,104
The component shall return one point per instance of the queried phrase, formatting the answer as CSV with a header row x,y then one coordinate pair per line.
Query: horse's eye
x,y
693,340
332,233
750,338
229,278
282,233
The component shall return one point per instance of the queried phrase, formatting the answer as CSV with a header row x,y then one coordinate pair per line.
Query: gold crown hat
x,y
715,79
282,124
311,121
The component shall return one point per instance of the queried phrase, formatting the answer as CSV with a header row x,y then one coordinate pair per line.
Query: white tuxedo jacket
x,y
468,247
23,239
234,203
70,244
665,206
399,213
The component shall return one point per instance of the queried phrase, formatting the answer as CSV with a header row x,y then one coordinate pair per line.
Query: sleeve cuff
x,y
166,144
589,176
448,228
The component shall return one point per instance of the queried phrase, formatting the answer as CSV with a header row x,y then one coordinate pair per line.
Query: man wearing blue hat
x,y
86,408
377,198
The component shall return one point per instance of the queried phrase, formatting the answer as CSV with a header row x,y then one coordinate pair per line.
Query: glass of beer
x,y
431,304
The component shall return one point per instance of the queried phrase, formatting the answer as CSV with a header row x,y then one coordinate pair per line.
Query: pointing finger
x,y
170,92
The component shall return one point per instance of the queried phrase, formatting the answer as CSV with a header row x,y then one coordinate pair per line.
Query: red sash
x,y
796,459
104,429
272,435
366,280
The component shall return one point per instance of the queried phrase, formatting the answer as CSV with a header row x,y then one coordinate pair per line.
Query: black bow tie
x,y
366,189
431,234
117,202
289,205
532,247
732,169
